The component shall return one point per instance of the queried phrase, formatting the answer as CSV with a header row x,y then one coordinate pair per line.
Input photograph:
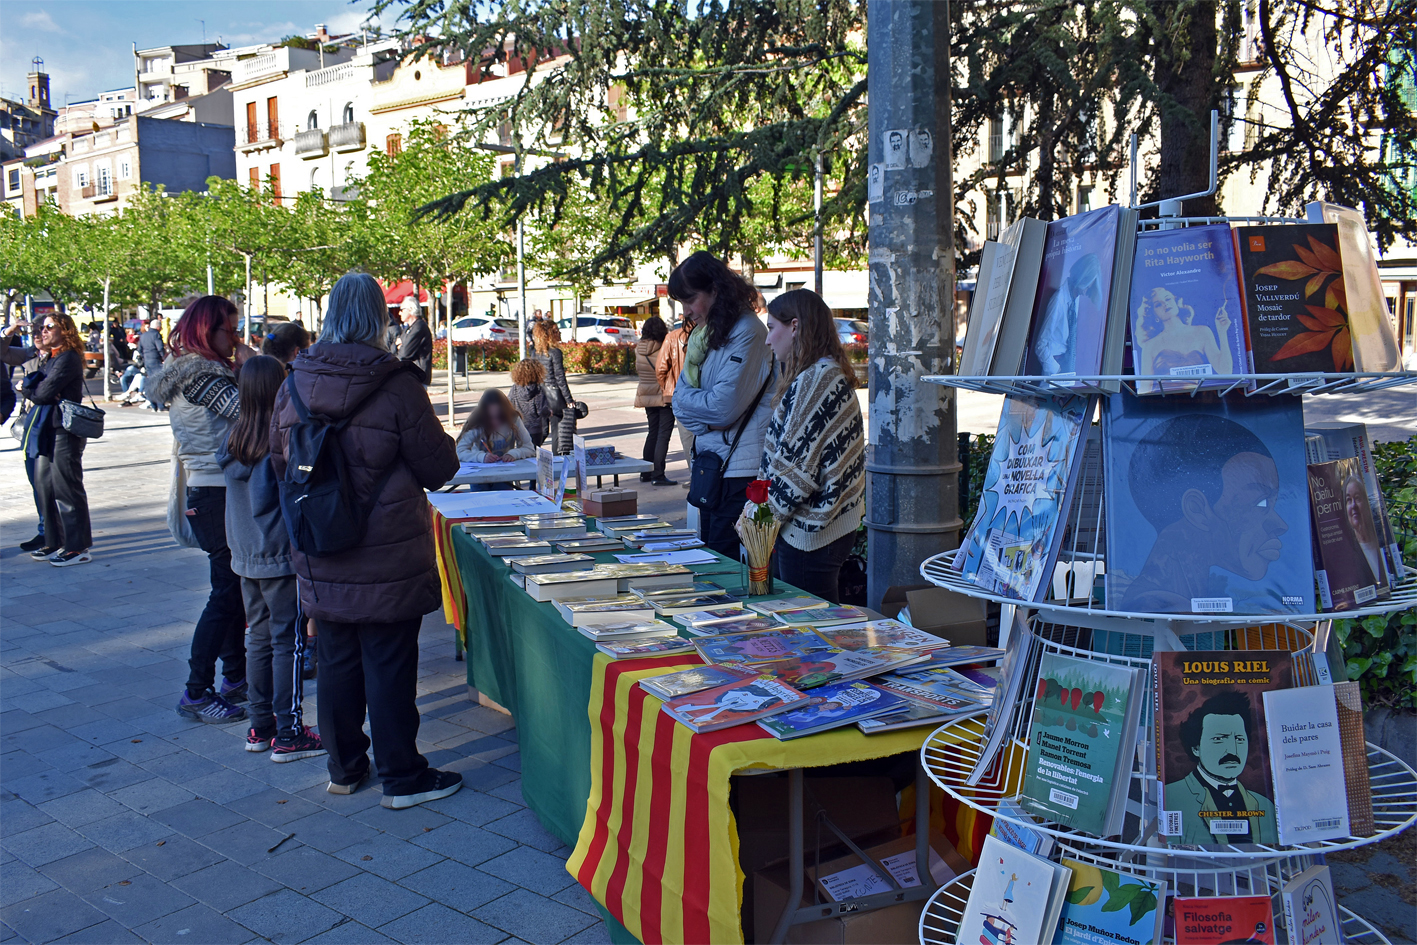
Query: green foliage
x,y
590,358
981,447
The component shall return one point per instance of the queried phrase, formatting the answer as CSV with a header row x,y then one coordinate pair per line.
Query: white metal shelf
x,y
937,571
1251,385
940,920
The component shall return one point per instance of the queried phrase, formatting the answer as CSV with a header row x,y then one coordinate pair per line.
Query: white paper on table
x,y
692,556
862,880
500,504
682,544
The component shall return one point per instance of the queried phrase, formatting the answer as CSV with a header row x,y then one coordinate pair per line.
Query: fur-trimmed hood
x,y
179,371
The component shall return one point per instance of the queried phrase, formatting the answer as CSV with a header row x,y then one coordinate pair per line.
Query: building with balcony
x,y
25,122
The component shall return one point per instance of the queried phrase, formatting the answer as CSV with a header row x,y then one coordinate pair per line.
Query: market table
x,y
642,799
524,470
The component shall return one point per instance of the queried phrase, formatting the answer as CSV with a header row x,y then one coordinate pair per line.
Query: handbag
x,y
80,420
706,471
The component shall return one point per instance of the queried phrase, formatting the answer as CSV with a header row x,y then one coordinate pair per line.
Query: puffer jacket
x,y
392,574
647,355
731,376
204,403
255,528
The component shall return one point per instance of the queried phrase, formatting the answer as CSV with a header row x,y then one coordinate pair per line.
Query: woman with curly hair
x,y
529,397
547,338
58,454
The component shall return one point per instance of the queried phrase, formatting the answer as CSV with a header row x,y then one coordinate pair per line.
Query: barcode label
x,y
1229,827
1212,605
1191,370
1364,594
1325,595
1328,824
1070,801
1168,822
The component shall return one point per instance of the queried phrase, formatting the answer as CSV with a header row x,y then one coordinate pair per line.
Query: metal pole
x,y
211,288
448,323
817,224
911,462
521,288
106,344
247,299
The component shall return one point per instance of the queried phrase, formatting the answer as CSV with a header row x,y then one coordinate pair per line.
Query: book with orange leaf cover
x,y
1296,310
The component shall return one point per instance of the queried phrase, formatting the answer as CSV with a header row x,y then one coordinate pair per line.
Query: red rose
x,y
758,491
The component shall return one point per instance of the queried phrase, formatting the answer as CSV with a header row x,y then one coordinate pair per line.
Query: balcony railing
x,y
330,76
311,143
348,136
259,134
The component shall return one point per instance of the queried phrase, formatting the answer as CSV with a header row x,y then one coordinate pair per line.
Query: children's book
x,y
1310,910
1206,505
1326,441
929,686
915,714
1187,320
1220,920
672,606
819,669
694,679
737,703
838,705
882,633
762,646
744,624
1370,323
1350,567
1013,542
1016,897
1082,742
1017,830
961,655
1212,744
627,630
645,647
1296,308
1306,762
724,613
785,603
1105,907
828,616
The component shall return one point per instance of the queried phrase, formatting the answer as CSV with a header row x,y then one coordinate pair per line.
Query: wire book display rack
x,y
1076,621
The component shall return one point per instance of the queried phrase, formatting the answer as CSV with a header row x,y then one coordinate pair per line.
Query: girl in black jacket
x,y
59,454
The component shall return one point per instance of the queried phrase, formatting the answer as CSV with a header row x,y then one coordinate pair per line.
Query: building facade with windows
x,y
24,122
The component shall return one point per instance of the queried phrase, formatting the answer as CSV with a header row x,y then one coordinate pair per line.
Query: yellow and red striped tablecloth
x,y
449,577
659,846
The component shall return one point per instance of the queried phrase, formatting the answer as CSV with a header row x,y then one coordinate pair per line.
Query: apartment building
x,y
107,108
24,122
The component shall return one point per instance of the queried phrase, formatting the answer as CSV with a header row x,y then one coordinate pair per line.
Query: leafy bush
x,y
580,358
981,447
857,353
1381,651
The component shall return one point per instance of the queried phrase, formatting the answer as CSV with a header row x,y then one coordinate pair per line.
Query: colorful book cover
x,y
762,646
694,679
822,616
1310,909
1327,440
1212,744
1015,899
1021,835
744,624
1222,920
1105,907
882,633
1296,311
1012,542
915,714
929,686
1349,565
641,648
1306,762
819,669
839,705
1359,789
961,655
1375,346
1206,505
737,703
1074,289
786,603
1080,743
1187,320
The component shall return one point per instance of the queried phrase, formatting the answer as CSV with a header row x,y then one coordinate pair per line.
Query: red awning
x,y
393,295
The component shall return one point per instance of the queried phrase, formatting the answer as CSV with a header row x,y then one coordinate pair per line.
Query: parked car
x,y
851,331
601,329
482,328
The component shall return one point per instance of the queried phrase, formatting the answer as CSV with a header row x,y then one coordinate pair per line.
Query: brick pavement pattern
x,y
120,822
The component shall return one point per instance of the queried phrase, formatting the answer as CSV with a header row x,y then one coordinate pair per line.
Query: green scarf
x,y
694,355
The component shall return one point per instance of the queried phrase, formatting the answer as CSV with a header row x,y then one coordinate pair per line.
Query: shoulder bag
x,y
706,470
80,420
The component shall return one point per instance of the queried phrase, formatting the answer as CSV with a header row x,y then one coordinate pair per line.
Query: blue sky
x,y
87,45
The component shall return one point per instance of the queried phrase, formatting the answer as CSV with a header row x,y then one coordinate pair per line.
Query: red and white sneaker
x,y
303,744
260,741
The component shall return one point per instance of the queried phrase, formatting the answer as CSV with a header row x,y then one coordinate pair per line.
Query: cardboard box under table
x,y
643,799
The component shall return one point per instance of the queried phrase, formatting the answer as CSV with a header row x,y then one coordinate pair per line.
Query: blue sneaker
x,y
233,692
210,708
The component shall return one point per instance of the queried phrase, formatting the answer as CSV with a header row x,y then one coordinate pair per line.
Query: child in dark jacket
x,y
529,397
260,556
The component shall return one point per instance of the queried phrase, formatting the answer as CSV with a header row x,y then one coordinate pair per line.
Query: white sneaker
x,y
64,559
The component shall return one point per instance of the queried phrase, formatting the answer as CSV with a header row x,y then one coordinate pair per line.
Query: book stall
x,y
1174,745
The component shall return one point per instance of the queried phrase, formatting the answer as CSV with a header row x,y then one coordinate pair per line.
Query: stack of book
x,y
602,580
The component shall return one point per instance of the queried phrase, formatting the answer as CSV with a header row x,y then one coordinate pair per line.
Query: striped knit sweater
x,y
815,455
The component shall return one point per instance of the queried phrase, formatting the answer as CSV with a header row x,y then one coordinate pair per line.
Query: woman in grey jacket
x,y
719,396
260,556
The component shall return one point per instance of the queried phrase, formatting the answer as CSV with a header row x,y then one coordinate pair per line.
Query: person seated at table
x,y
529,397
494,432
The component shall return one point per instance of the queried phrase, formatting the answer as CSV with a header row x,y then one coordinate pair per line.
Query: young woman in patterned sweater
x,y
814,453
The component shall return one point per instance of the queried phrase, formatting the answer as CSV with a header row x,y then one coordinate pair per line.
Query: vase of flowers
x,y
757,529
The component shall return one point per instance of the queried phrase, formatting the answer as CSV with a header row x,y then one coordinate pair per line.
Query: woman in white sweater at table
x,y
494,432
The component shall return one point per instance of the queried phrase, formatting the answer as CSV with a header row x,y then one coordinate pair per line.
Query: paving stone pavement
x,y
120,822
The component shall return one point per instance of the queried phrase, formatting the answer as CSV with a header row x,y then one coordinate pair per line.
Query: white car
x,y
604,329
482,328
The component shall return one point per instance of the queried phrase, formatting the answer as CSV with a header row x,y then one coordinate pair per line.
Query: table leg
x,y
922,825
794,855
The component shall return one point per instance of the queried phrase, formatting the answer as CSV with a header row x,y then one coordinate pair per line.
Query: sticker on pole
x,y
895,149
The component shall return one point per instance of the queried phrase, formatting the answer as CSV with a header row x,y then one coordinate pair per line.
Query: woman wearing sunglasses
x,y
58,454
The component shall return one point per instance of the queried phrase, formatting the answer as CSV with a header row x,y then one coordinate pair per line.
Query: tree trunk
x,y
1185,71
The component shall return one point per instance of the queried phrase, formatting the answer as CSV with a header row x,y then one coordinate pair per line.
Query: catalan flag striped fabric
x,y
449,577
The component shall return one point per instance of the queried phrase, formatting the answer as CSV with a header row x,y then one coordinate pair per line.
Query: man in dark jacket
x,y
152,352
416,341
369,600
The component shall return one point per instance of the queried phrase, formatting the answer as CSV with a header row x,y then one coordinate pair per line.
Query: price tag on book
x,y
1229,827
1168,823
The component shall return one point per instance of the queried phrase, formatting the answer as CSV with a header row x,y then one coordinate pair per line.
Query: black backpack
x,y
317,500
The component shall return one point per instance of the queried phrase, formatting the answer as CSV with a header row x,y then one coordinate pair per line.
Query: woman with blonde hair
x,y
814,452
547,339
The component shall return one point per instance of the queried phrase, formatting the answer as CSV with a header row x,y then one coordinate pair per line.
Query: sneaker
x,y
233,692
351,787
432,785
43,554
65,559
210,708
260,741
303,744
34,544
